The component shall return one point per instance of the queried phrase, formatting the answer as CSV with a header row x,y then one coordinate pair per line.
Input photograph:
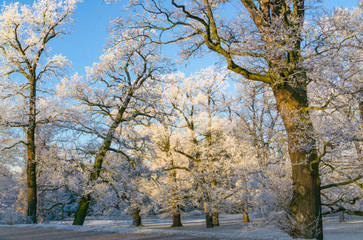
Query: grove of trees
x,y
273,130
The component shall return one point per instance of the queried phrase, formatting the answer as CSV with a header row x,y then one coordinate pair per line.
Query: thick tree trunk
x,y
31,167
306,202
32,192
82,210
176,217
208,220
215,217
176,220
85,200
136,218
208,216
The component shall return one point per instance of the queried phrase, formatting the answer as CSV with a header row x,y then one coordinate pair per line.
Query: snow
x,y
231,228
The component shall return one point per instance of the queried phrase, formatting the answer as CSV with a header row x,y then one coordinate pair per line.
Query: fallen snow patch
x,y
231,228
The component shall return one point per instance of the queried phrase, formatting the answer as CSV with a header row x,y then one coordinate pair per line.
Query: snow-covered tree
x,y
193,142
128,176
121,89
172,192
336,96
255,119
59,173
9,190
25,33
263,41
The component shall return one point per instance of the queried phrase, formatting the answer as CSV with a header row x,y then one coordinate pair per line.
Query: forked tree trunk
x,y
136,218
306,202
31,167
215,217
208,216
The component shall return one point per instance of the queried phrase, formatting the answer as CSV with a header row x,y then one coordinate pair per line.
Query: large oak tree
x,y
261,41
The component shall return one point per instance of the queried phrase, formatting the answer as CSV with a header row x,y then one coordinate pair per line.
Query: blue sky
x,y
88,35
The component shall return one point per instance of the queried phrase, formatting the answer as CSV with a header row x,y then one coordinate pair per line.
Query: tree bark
x,y
176,217
31,158
341,217
208,216
82,210
208,220
85,200
357,144
215,218
32,192
97,166
245,199
215,215
306,203
136,218
245,219
176,220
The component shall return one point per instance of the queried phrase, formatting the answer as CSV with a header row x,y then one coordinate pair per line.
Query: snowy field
x,y
194,228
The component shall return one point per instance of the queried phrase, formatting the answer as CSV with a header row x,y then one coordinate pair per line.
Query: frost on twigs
x,y
335,95
200,160
118,94
25,33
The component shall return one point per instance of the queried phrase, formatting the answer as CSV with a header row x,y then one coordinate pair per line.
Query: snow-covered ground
x,y
231,228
